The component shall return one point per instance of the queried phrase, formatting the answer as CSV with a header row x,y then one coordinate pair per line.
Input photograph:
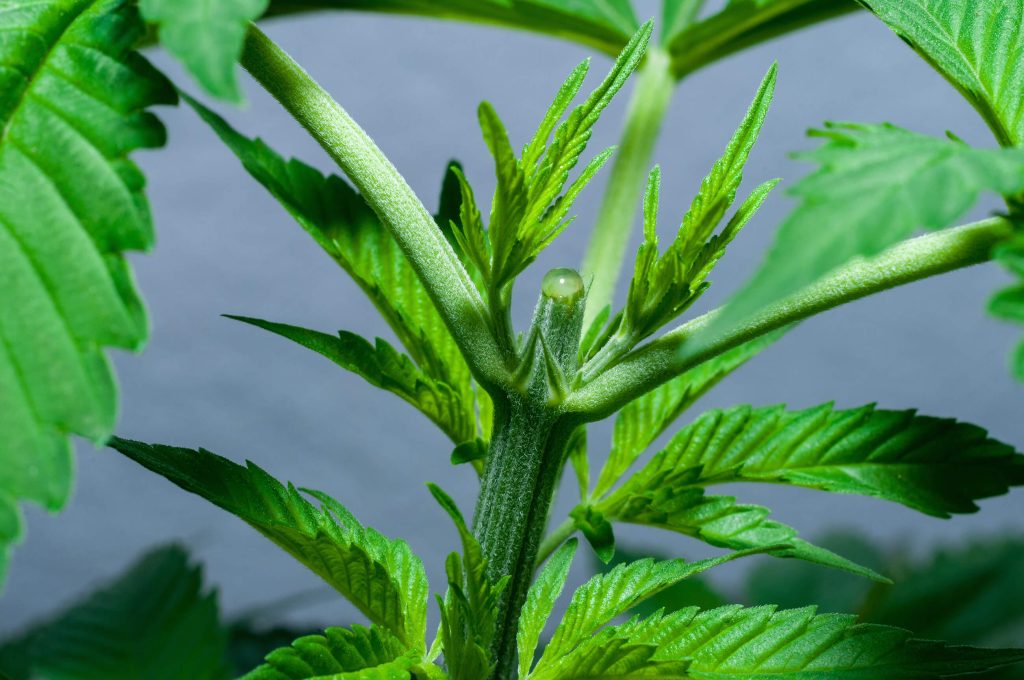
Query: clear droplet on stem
x,y
563,285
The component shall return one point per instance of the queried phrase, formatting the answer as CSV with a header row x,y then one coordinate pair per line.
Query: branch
x,y
691,344
449,285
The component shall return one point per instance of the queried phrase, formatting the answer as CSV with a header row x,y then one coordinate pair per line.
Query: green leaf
x,y
761,643
742,24
596,529
154,621
540,601
381,577
604,24
606,596
977,46
207,36
1009,303
384,367
344,226
532,200
666,285
73,100
933,465
876,185
646,418
340,654
675,502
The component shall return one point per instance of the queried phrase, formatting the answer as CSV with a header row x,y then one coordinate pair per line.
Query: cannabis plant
x,y
76,100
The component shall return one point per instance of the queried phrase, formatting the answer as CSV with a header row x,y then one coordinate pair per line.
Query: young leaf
x,y
381,577
540,601
673,502
596,529
207,36
606,596
383,366
933,465
73,100
1009,303
344,226
762,643
665,285
154,621
365,653
644,419
531,201
875,186
977,46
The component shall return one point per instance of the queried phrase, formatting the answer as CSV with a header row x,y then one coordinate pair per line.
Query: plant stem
x,y
603,261
689,345
382,187
554,539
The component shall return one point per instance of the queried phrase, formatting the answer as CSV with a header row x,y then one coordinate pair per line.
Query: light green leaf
x,y
605,596
645,419
207,36
340,654
540,601
760,643
977,46
741,24
154,621
675,502
876,185
73,100
1009,303
604,24
384,367
381,577
532,201
343,225
933,465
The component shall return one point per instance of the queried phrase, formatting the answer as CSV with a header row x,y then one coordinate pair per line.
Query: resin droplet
x,y
562,284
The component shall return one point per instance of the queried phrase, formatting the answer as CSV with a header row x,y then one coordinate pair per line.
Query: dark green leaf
x,y
73,100
596,529
977,46
381,577
876,185
207,36
358,654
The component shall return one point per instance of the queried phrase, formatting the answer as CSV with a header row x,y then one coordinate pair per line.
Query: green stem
x,y
554,539
449,285
689,345
603,261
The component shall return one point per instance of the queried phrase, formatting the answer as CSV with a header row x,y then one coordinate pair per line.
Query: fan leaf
x,y
381,577
73,106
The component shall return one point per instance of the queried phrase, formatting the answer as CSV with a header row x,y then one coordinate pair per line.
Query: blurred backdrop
x,y
225,246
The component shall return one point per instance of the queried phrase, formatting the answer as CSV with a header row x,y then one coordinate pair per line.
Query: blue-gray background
x,y
226,247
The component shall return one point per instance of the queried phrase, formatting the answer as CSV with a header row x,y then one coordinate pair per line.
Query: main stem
x,y
603,261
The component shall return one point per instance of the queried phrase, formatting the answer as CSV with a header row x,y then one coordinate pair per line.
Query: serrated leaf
x,y
340,654
381,577
876,185
207,36
673,502
934,465
540,602
761,643
665,285
741,24
154,621
606,596
383,366
344,226
645,419
977,46
533,195
73,101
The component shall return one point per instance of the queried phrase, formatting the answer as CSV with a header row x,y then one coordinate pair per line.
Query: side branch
x,y
387,193
693,343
